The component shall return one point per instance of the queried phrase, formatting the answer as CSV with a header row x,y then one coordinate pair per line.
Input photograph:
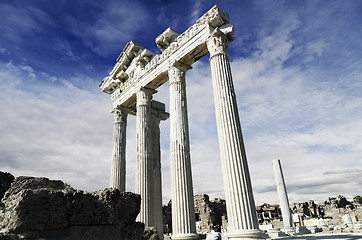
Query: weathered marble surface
x,y
144,154
240,205
118,167
183,214
283,196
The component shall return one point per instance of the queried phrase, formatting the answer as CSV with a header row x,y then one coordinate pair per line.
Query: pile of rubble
x,y
335,215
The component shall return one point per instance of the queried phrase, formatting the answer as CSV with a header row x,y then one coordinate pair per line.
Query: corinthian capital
x,y
144,96
176,71
217,43
219,39
120,115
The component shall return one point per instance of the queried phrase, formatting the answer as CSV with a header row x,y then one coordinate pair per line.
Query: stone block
x,y
48,209
86,209
275,232
166,38
302,230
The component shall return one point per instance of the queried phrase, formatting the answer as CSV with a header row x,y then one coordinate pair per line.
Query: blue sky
x,y
297,69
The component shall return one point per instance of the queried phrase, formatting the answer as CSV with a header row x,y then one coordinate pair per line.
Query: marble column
x,y
157,220
143,161
118,167
240,205
183,209
283,196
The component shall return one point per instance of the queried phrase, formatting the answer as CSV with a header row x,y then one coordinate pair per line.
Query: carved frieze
x,y
116,94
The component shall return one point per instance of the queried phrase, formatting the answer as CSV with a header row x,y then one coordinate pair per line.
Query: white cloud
x,y
54,131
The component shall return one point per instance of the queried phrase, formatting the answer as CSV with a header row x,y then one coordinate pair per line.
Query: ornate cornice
x,y
215,17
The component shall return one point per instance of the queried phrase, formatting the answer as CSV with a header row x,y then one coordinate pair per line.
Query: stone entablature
x,y
137,67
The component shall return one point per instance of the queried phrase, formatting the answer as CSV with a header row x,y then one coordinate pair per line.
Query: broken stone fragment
x,y
166,38
42,205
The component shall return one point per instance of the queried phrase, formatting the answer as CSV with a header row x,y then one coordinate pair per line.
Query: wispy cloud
x,y
56,132
165,17
197,9
4,51
113,27
17,21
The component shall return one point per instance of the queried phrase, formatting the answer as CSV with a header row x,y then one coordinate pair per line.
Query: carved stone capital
x,y
120,115
217,43
176,71
144,96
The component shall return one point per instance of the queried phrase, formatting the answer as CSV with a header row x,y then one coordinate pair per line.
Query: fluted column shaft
x,y
156,176
183,212
118,167
241,212
143,161
282,193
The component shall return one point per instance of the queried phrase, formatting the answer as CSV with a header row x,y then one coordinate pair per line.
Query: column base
x,y
244,234
184,236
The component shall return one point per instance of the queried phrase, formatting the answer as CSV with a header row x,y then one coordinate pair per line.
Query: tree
x,y
5,181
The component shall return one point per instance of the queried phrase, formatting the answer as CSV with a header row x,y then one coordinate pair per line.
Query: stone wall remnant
x,y
50,209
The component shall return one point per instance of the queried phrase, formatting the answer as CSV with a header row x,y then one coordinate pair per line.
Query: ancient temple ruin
x,y
135,77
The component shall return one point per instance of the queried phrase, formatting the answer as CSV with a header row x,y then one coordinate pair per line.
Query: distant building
x,y
268,213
